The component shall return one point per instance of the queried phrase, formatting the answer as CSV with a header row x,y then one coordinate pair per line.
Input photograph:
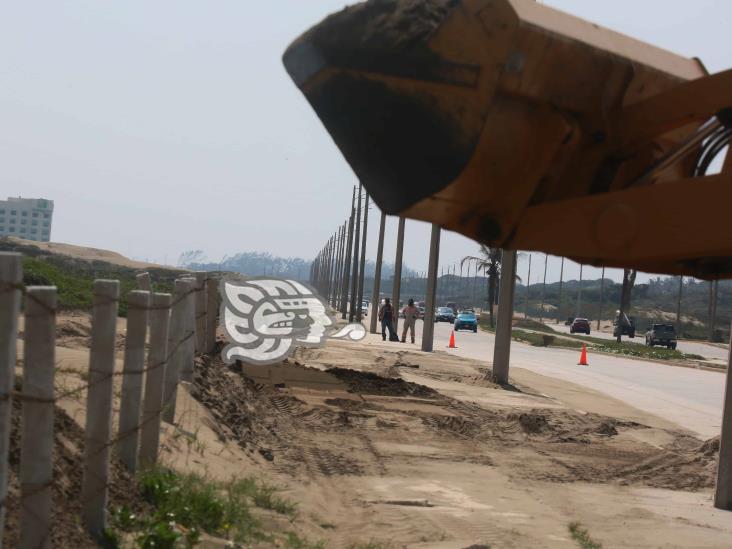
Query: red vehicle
x,y
581,325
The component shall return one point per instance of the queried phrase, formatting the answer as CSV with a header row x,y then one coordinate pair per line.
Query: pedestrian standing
x,y
410,313
386,316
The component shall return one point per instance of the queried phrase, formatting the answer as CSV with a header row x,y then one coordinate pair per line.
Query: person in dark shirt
x,y
386,316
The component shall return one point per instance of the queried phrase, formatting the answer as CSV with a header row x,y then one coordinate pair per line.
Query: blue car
x,y
466,321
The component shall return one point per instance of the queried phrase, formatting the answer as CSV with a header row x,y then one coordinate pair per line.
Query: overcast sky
x,y
159,127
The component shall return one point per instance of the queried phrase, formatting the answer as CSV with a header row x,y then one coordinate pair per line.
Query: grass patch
x,y
632,349
582,536
199,504
628,348
531,324
185,505
293,541
597,344
74,279
265,496
539,340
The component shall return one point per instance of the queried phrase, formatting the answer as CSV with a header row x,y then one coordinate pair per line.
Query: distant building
x,y
28,218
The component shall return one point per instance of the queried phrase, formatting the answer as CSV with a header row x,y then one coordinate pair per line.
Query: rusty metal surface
x,y
522,126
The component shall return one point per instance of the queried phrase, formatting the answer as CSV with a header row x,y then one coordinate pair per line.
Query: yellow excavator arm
x,y
526,128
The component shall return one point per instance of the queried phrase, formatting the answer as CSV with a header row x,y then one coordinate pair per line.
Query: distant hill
x,y
262,263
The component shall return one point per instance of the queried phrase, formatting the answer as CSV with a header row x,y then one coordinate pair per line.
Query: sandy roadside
x,y
410,449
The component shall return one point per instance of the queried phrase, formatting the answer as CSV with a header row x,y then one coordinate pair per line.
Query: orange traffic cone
x,y
583,356
452,340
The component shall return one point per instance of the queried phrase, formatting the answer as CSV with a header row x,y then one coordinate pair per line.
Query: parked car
x,y
569,321
364,308
581,325
420,312
444,314
627,328
661,334
466,321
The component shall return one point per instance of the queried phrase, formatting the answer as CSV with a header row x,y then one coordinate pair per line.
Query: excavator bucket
x,y
526,128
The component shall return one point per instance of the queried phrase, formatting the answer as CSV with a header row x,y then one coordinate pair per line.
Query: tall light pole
x,y
678,306
559,303
347,262
579,294
528,284
428,328
602,297
363,256
338,266
356,243
502,344
376,295
475,284
396,290
543,289
712,308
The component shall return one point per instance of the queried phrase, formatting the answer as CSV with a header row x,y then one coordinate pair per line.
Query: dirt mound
x,y
371,384
564,426
67,475
677,470
310,437
553,426
531,422
346,403
295,437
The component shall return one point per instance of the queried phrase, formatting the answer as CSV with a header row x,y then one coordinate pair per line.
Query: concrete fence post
x,y
134,363
212,310
11,276
143,282
189,335
36,451
176,344
94,489
200,304
156,361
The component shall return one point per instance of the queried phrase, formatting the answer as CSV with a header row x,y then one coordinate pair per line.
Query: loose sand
x,y
410,449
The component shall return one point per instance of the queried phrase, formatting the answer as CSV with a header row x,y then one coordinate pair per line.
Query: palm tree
x,y
489,262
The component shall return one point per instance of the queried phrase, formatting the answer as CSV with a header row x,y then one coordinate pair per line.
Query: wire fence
x,y
164,333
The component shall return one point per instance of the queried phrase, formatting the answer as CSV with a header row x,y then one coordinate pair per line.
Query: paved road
x,y
712,352
688,397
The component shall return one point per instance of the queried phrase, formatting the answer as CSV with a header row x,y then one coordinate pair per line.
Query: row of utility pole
x,y
712,307
338,273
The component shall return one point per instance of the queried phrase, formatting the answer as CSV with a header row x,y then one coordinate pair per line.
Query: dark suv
x,y
580,325
661,334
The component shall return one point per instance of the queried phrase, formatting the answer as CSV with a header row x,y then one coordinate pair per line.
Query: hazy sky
x,y
159,127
